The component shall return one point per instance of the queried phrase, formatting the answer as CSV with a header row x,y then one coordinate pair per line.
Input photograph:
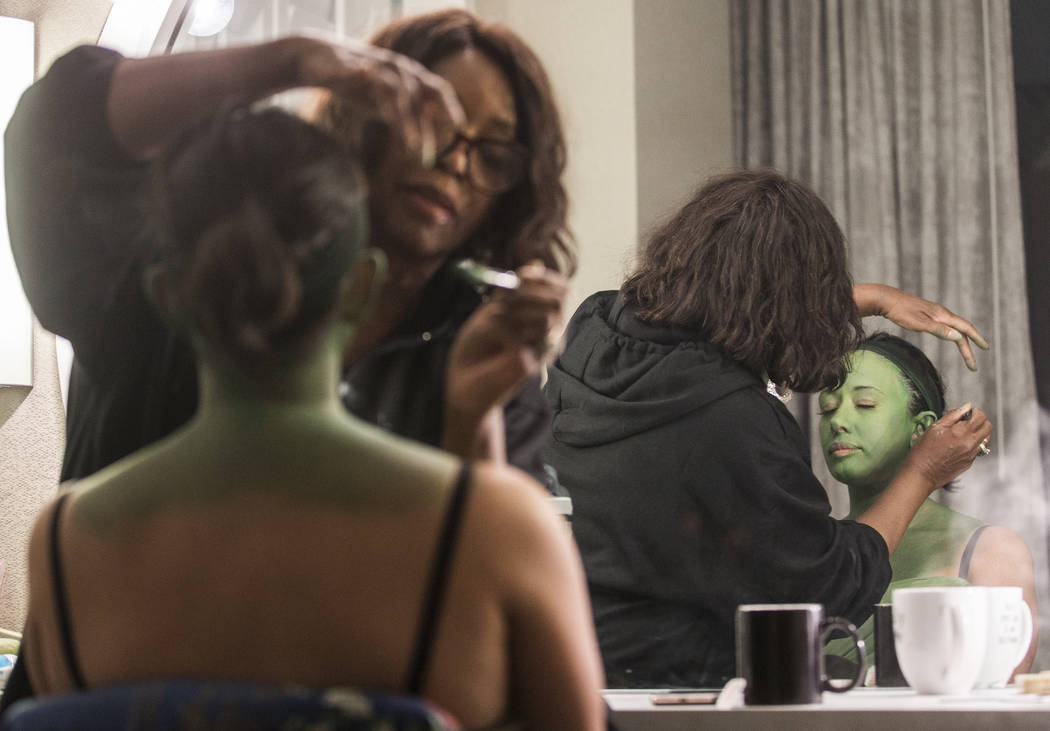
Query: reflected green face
x,y
865,427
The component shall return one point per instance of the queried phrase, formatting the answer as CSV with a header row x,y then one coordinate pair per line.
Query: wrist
x,y
871,299
915,478
460,430
471,435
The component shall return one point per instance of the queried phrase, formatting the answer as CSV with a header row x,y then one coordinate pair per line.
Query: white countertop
x,y
878,709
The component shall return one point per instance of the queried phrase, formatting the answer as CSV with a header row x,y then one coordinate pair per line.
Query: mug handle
x,y
828,626
1026,633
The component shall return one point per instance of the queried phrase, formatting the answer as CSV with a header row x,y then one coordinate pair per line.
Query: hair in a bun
x,y
259,215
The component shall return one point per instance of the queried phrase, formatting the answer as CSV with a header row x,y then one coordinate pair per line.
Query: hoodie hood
x,y
619,376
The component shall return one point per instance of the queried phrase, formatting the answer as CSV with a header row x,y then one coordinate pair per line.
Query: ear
x,y
921,422
362,286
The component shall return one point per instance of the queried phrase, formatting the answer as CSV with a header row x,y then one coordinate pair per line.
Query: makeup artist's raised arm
x,y
151,99
915,313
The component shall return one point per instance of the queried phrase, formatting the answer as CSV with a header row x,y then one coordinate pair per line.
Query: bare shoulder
x,y
519,516
557,670
515,495
1001,558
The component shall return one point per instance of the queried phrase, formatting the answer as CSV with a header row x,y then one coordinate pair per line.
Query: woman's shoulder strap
x,y
58,584
437,582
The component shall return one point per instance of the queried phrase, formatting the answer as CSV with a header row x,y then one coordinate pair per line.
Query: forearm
x,y
893,511
152,99
870,299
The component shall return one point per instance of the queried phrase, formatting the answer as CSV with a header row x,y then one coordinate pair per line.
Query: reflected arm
x,y
1002,558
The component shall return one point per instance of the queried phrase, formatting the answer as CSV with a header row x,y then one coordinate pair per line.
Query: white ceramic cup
x,y
1009,634
940,633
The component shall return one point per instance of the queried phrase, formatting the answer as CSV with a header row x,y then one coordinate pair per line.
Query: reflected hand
x,y
950,445
915,313
419,106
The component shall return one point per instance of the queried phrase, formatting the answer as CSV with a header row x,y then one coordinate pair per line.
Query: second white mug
x,y
1009,634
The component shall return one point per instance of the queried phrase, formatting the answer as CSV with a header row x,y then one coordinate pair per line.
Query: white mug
x,y
1009,634
940,634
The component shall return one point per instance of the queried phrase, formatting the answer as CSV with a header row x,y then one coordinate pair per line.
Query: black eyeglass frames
x,y
493,166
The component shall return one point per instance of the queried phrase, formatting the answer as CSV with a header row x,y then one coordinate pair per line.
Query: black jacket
x,y
692,493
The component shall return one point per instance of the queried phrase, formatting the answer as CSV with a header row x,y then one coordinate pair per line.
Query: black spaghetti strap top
x,y
438,580
65,628
964,562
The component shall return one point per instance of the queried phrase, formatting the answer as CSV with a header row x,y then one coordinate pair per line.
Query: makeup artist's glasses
x,y
492,166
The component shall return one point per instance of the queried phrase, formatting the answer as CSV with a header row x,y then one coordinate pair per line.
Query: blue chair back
x,y
191,705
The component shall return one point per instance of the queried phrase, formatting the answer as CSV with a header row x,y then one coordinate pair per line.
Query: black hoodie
x,y
692,493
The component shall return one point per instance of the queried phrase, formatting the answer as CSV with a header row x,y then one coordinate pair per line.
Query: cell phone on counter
x,y
684,698
483,277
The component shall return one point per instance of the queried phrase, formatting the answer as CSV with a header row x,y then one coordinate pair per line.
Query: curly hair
x,y
258,216
528,221
756,262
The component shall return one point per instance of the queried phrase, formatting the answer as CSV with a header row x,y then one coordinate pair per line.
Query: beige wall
x,y
683,94
60,24
588,50
32,421
644,89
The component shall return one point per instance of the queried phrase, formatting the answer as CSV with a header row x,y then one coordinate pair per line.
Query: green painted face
x,y
866,429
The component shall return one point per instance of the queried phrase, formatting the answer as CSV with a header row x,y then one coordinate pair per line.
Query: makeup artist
x,y
436,363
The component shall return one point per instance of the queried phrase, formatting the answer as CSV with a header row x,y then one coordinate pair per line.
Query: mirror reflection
x,y
797,371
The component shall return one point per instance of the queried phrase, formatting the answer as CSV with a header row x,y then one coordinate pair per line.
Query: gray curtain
x,y
900,114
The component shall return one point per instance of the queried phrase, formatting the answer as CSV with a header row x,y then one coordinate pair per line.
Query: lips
x,y
431,203
838,449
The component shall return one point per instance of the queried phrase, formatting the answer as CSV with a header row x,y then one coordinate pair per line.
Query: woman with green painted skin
x,y
891,396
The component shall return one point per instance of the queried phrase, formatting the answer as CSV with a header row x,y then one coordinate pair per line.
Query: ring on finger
x,y
985,450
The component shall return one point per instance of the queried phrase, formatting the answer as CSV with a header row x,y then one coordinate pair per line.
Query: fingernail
x,y
953,335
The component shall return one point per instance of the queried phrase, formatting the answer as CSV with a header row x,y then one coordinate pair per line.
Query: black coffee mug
x,y
779,652
887,670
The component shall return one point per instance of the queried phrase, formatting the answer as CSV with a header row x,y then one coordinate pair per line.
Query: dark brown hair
x,y
920,376
756,262
258,216
528,221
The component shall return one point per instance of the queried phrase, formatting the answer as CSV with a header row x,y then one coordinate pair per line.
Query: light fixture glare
x,y
209,17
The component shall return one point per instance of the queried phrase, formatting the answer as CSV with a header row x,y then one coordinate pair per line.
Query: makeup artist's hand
x,y
915,313
380,85
942,453
505,342
950,445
